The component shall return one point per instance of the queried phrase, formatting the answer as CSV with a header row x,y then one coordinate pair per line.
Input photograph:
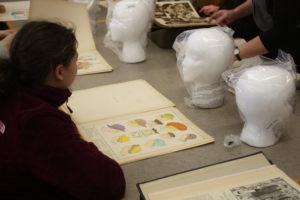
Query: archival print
x,y
275,188
178,14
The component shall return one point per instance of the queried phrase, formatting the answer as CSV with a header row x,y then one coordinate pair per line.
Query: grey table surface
x,y
161,72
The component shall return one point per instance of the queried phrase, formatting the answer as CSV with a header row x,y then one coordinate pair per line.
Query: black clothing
x,y
3,26
244,27
284,33
276,22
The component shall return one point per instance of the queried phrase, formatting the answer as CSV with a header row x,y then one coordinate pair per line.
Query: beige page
x,y
73,14
263,183
115,100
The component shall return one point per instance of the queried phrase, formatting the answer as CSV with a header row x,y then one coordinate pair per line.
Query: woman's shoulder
x,y
27,107
26,114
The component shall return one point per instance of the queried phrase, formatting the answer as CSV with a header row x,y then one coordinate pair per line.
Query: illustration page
x,y
135,137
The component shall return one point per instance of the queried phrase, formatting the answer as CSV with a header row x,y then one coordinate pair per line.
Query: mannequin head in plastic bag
x,y
264,95
129,25
208,53
204,54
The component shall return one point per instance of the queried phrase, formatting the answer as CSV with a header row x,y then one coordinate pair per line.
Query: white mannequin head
x,y
209,52
263,96
129,25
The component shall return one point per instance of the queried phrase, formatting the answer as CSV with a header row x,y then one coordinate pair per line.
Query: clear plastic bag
x,y
265,95
128,22
232,141
202,56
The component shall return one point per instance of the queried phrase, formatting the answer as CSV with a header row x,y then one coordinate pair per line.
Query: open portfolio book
x,y
15,11
251,177
73,14
131,121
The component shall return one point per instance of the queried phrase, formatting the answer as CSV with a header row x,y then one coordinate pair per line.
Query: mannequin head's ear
x,y
59,72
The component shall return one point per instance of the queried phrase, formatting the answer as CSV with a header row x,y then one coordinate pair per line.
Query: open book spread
x,y
251,177
15,11
74,15
132,121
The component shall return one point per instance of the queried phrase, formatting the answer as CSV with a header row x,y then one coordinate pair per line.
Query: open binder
x,y
73,14
131,121
248,177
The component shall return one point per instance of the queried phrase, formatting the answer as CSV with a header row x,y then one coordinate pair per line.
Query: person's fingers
x,y
11,31
221,24
221,20
215,16
209,11
7,40
5,33
205,10
202,9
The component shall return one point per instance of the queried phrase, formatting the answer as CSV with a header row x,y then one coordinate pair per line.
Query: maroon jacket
x,y
42,156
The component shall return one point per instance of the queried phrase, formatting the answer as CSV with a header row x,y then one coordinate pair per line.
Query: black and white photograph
x,y
276,189
177,14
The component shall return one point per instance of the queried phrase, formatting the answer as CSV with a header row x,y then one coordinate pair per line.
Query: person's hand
x,y
209,9
223,17
2,9
6,37
5,33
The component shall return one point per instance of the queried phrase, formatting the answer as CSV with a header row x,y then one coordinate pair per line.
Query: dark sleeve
x,y
285,15
56,154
